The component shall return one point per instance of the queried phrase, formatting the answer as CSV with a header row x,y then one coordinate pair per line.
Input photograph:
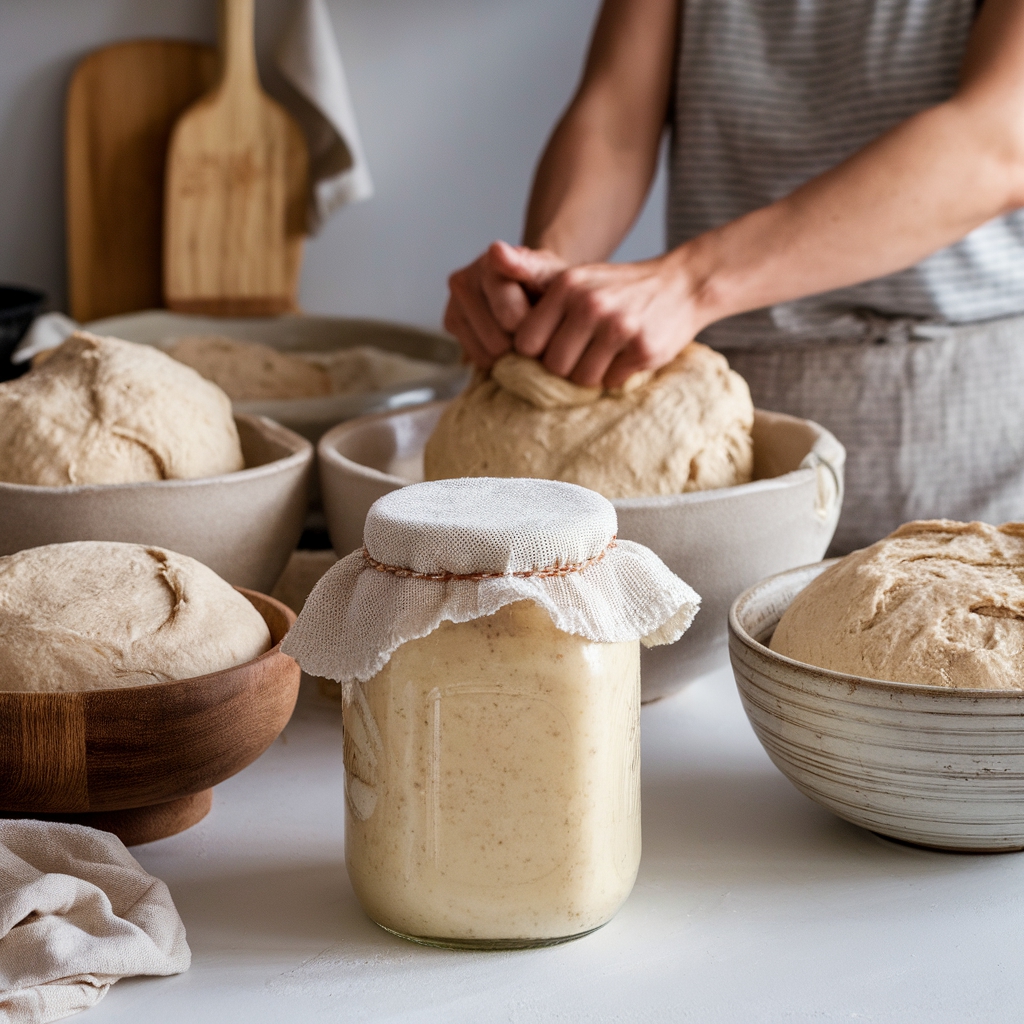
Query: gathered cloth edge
x,y
666,615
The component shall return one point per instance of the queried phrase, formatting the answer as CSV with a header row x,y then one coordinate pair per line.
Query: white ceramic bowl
x,y
310,417
925,764
719,541
242,525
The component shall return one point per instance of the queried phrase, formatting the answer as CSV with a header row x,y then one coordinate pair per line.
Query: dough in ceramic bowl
x,y
106,411
937,602
97,615
250,372
686,427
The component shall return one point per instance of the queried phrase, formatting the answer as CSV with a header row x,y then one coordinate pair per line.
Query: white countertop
x,y
753,904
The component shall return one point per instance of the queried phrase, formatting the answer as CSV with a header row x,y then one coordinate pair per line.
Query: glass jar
x,y
493,783
487,640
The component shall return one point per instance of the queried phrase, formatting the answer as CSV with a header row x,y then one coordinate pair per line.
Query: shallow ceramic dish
x,y
924,764
242,525
141,761
719,541
310,417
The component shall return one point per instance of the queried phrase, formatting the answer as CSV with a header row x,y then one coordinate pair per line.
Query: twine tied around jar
x,y
446,577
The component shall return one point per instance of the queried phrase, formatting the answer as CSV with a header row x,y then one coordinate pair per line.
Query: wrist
x,y
698,268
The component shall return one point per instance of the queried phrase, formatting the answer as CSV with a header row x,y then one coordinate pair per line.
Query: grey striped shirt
x,y
771,93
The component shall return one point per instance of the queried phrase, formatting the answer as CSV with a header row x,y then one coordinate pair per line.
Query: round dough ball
x,y
937,602
685,428
105,411
362,368
249,371
96,615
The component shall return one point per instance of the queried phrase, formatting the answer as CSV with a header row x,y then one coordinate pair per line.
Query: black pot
x,y
18,308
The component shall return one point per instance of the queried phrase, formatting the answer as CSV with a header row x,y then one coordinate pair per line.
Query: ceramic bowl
x,y
719,541
242,525
141,761
310,417
924,764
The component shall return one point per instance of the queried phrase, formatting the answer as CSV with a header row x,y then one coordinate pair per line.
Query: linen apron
x,y
921,373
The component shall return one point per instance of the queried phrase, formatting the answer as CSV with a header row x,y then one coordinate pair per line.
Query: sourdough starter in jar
x,y
487,636
493,782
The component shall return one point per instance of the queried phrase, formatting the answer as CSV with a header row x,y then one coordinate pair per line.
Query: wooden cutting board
x,y
235,199
122,103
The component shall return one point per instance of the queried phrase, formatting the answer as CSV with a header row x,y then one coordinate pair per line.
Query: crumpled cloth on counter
x,y
308,58
77,913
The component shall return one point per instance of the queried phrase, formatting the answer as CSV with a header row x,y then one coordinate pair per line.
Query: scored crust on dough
x,y
937,602
686,427
248,371
106,411
95,615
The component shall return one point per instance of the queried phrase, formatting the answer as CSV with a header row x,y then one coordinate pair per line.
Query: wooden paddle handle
x,y
237,46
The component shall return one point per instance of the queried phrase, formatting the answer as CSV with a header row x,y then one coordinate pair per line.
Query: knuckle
x,y
621,324
570,280
592,305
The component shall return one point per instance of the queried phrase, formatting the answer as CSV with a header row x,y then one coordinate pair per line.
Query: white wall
x,y
454,99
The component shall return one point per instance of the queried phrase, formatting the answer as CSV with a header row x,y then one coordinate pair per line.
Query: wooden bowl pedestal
x,y
141,761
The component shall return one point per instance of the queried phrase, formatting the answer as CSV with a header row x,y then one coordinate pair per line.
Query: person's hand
x,y
603,322
490,298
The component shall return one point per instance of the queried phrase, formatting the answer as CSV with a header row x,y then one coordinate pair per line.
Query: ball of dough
x,y
937,602
685,428
250,372
95,615
362,368
105,411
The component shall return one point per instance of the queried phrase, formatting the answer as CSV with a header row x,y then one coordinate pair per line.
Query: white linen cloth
x,y
48,330
77,913
308,58
458,550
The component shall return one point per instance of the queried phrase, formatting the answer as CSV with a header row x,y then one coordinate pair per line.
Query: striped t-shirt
x,y
770,93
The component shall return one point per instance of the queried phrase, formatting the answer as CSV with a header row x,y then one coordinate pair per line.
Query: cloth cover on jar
x,y
458,550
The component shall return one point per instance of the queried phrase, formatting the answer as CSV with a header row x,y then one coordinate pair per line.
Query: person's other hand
x,y
603,322
489,298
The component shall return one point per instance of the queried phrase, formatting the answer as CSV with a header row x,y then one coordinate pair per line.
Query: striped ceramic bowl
x,y
924,764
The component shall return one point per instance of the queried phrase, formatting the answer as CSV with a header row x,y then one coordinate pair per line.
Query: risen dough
x,y
937,602
363,368
685,428
248,371
97,614
105,411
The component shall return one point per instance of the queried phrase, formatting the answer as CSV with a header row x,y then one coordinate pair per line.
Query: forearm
x,y
590,184
599,163
923,185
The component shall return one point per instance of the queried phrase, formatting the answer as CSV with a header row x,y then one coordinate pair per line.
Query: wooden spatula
x,y
234,207
122,103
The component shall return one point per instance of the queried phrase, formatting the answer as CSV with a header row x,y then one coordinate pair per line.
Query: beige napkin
x,y
308,58
77,913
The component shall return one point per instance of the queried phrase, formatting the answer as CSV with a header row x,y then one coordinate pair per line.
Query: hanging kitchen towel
x,y
77,913
308,58
48,330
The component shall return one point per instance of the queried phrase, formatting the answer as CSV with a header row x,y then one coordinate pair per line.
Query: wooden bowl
x,y
927,765
243,525
719,541
141,761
